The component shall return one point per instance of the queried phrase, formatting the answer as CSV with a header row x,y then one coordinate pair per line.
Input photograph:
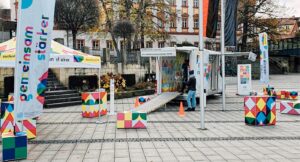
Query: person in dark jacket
x,y
191,92
184,67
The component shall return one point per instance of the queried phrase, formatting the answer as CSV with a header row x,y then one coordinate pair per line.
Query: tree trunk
x,y
128,5
68,38
138,24
74,33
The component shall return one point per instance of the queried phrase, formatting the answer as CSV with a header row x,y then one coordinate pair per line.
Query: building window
x,y
173,44
173,2
184,22
96,44
196,3
196,44
173,23
79,44
161,44
109,44
184,3
196,23
149,45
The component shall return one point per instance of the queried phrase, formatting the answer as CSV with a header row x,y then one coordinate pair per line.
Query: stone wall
x,y
138,70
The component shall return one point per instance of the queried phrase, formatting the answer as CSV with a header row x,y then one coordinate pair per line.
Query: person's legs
x,y
193,100
189,100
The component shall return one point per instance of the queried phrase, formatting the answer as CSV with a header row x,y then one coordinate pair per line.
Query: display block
x,y
290,107
287,94
129,119
7,117
29,126
90,104
103,103
143,99
260,110
269,91
14,147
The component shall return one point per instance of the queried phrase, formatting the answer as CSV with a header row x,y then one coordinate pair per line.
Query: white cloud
x,y
292,7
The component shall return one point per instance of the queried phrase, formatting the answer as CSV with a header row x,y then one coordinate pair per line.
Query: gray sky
x,y
292,6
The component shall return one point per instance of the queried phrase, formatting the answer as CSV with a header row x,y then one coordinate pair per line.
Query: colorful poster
x,y
264,58
244,79
34,28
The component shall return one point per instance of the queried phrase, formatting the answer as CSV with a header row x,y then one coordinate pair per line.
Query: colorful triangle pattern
x,y
135,120
290,107
103,103
90,104
260,110
29,126
7,117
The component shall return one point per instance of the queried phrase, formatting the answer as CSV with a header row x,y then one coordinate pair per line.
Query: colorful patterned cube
x,y
29,126
129,119
103,103
260,110
14,147
90,104
269,91
291,95
143,99
10,97
287,94
280,94
7,117
290,107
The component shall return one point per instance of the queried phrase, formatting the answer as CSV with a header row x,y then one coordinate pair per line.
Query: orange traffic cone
x,y
136,104
181,112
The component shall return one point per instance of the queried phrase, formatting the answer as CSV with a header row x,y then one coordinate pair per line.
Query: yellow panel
x,y
120,124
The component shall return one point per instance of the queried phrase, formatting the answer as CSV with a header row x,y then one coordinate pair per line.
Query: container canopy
x,y
60,56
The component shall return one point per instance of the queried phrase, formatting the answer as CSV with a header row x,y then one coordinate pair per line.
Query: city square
x,y
145,80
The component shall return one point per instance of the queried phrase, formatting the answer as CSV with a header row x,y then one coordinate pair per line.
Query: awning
x,y
60,57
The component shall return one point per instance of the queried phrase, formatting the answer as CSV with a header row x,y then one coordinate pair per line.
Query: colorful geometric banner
x,y
264,58
34,28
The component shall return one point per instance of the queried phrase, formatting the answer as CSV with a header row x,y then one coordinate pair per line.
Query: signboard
x,y
244,79
34,28
264,58
112,97
158,52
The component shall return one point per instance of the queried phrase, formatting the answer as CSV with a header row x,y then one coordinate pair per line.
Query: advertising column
x,y
264,58
34,28
244,79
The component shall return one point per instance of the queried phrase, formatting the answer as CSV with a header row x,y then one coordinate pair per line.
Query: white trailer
x,y
169,62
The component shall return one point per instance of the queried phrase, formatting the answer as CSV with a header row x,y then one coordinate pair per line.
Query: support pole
x,y
223,53
201,49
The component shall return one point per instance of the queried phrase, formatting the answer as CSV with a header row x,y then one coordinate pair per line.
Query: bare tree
x,y
76,15
256,16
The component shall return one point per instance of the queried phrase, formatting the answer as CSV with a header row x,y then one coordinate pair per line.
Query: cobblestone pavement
x,y
63,135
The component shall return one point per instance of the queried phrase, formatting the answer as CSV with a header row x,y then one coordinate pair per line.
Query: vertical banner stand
x,y
112,98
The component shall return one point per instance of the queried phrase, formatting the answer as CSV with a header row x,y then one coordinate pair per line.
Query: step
x,y
59,92
63,99
62,95
62,104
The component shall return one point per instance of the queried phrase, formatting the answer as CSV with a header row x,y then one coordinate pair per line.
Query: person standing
x,y
191,98
185,67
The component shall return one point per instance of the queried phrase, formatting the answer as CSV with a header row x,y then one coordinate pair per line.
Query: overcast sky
x,y
292,6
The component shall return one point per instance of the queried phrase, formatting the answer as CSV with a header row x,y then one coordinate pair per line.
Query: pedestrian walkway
x,y
63,135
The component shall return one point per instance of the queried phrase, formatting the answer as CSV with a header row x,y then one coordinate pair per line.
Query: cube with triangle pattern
x,y
103,103
29,126
290,107
129,119
7,117
260,110
287,94
90,104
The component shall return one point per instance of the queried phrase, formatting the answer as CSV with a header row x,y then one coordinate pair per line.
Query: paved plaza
x,y
63,135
